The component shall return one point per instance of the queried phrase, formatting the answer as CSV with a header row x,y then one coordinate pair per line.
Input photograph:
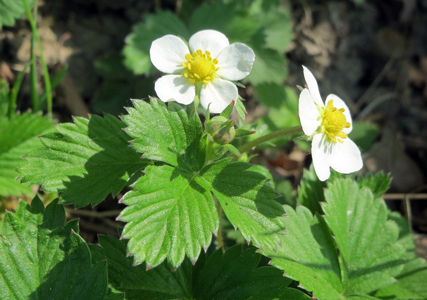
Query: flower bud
x,y
221,129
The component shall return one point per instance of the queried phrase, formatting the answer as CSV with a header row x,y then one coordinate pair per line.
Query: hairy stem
x,y
219,234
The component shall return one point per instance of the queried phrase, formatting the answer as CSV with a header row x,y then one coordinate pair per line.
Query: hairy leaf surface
x,y
18,136
41,258
230,275
85,161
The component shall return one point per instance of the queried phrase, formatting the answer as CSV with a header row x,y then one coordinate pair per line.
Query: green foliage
x,y
84,161
410,284
282,103
18,136
10,10
364,135
4,97
378,183
230,275
310,193
176,200
370,256
41,258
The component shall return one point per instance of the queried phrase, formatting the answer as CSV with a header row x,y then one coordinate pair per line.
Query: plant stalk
x,y
44,66
219,233
270,136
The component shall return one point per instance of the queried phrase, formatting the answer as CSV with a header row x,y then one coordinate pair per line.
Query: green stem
x,y
33,69
219,233
270,136
44,66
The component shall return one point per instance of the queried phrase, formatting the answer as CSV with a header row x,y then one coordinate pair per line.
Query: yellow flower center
x,y
333,122
200,66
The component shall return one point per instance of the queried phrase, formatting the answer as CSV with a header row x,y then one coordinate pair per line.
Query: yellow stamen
x,y
200,67
333,122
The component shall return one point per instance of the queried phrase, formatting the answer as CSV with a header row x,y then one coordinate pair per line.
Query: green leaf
x,y
44,259
166,135
138,43
364,135
136,282
85,161
269,67
367,241
410,284
230,275
406,238
170,213
247,200
234,275
276,24
370,255
18,137
378,183
10,10
310,193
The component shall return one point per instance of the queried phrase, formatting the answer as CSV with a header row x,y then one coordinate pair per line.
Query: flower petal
x,y
167,53
321,153
218,93
308,113
210,40
175,88
312,86
346,157
235,61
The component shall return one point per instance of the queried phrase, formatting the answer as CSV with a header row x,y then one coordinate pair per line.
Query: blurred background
x,y
371,53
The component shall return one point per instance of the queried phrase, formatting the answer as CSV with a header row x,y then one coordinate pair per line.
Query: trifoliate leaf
x,y
18,136
138,43
230,275
85,161
41,258
370,255
378,183
175,201
10,10
410,284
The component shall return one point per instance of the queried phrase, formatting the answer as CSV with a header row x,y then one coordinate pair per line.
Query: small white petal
x,y
235,61
308,113
312,86
219,93
321,153
346,157
167,54
339,103
175,88
210,40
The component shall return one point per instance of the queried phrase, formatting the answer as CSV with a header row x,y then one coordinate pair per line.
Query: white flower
x,y
328,127
207,68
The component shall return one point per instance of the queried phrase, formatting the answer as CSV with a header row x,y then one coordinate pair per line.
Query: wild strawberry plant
x,y
339,242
